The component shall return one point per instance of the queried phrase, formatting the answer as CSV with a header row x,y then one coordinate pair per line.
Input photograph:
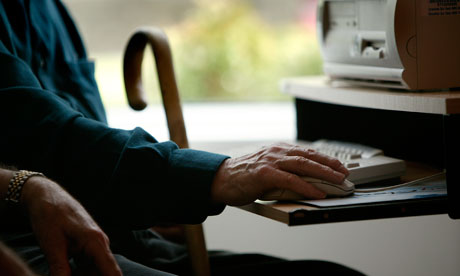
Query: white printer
x,y
406,44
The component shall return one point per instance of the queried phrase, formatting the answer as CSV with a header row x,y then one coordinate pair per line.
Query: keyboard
x,y
366,164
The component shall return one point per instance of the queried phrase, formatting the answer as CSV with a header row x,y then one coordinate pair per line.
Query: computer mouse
x,y
331,189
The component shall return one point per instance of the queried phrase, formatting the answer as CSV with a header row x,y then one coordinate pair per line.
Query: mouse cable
x,y
370,190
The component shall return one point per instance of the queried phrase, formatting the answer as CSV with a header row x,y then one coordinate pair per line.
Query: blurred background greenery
x,y
226,51
223,50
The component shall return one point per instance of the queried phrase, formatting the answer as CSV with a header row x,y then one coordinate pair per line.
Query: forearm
x,y
122,177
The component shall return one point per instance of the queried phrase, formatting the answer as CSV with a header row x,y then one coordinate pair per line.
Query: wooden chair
x,y
132,62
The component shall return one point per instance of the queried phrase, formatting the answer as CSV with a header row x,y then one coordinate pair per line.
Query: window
x,y
222,49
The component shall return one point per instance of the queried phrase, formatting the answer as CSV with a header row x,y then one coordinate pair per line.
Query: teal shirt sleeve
x,y
123,177
52,121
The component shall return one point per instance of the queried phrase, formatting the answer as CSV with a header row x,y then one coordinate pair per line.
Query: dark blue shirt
x,y
52,120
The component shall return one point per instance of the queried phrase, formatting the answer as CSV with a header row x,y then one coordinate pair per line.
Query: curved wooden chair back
x,y
132,67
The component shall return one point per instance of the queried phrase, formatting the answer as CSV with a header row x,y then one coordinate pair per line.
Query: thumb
x,y
56,255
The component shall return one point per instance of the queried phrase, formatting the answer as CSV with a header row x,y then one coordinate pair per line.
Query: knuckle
x,y
335,163
326,170
263,171
275,148
265,151
271,157
302,161
290,178
310,153
278,162
97,234
279,147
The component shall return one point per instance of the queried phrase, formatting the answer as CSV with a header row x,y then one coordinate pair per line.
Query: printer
x,y
403,44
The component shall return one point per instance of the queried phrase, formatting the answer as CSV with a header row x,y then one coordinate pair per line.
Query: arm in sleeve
x,y
124,178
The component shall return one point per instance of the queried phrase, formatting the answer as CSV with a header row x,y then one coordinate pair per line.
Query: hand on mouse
x,y
242,180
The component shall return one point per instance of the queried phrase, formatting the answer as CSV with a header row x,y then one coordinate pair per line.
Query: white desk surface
x,y
320,88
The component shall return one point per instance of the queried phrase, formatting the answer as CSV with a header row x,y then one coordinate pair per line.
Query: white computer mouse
x,y
331,189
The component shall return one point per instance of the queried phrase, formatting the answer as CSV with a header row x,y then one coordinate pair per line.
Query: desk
x,y
296,214
301,214
414,126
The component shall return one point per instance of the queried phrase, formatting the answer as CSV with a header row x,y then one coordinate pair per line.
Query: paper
x,y
429,189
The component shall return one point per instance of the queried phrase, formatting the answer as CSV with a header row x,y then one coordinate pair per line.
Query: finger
x,y
106,263
321,158
286,180
99,252
56,255
306,167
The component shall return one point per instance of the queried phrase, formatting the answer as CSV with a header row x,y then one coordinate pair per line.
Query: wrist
x,y
217,183
34,189
9,181
17,183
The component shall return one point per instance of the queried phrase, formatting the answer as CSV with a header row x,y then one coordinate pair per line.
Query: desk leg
x,y
452,162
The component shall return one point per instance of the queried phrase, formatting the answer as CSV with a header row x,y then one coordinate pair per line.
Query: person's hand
x,y
242,180
11,264
64,229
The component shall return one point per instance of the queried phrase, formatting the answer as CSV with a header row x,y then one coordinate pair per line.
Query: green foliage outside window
x,y
225,51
